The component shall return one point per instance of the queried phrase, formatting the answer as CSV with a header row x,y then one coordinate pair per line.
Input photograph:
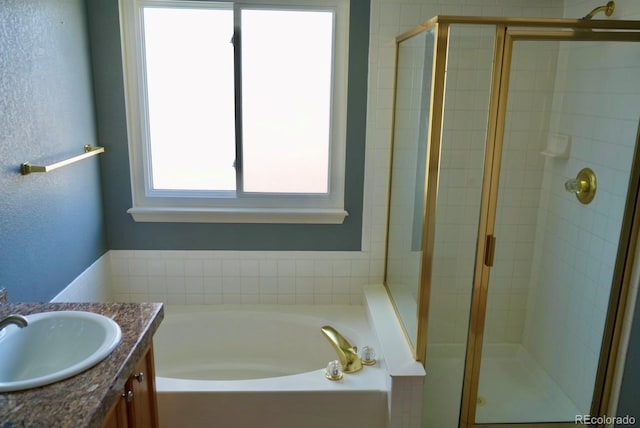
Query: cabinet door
x,y
117,416
143,412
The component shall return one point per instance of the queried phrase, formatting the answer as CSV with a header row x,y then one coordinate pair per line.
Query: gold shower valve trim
x,y
584,185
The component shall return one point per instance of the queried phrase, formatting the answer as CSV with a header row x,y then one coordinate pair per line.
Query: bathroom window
x,y
236,112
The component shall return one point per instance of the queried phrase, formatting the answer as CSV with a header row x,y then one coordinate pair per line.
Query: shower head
x,y
607,9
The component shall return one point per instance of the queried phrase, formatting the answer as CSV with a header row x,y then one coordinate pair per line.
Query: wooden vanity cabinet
x,y
137,406
117,416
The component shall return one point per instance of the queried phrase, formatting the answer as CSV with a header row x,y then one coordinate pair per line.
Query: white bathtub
x,y
263,366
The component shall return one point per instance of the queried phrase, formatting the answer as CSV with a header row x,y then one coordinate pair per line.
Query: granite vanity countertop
x,y
84,399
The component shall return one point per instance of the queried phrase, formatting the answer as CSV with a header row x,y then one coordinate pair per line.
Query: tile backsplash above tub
x,y
92,285
214,277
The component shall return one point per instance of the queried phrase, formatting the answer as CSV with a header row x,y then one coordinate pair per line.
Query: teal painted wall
x,y
124,233
51,226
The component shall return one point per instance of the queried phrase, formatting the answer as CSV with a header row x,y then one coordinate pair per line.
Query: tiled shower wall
x,y
464,134
461,176
533,71
596,103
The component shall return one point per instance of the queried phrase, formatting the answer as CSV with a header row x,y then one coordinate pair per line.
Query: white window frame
x,y
153,205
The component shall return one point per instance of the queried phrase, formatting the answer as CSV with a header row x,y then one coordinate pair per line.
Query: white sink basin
x,y
54,346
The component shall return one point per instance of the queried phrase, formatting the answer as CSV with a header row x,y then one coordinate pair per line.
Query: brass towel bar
x,y
89,150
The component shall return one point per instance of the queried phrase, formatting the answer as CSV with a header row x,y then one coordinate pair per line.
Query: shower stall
x,y
512,212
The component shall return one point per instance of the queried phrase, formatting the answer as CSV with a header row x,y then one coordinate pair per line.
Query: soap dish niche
x,y
558,146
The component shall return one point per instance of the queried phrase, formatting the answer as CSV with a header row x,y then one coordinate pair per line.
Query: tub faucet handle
x,y
368,356
334,370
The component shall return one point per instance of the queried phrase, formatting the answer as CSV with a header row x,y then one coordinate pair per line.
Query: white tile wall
x,y
405,408
461,171
406,376
461,175
213,277
533,73
92,285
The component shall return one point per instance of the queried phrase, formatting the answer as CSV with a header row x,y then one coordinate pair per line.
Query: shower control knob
x,y
139,377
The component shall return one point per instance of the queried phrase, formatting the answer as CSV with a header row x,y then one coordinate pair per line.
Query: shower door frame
x,y
504,46
530,29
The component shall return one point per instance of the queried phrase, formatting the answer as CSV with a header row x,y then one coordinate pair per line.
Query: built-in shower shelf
x,y
558,146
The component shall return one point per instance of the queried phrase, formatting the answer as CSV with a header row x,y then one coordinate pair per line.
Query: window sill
x,y
238,215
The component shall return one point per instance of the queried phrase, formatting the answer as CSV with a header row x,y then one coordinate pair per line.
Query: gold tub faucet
x,y
347,354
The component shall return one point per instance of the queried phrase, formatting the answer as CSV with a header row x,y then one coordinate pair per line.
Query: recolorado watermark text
x,y
605,420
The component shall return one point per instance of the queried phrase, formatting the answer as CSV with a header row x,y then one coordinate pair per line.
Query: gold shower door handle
x,y
489,250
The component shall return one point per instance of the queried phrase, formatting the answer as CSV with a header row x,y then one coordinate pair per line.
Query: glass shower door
x,y
555,257
457,212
